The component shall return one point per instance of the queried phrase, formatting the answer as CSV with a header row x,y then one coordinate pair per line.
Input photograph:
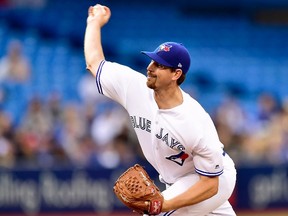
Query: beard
x,y
151,82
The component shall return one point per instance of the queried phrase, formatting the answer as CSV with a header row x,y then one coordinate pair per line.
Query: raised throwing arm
x,y
98,16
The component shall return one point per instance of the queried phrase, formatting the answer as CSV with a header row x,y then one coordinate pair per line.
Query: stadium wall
x,y
89,191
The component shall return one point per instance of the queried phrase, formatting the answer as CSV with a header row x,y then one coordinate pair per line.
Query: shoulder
x,y
193,105
118,77
120,73
115,67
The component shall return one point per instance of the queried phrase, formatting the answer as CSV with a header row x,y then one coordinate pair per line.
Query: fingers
x,y
99,10
90,11
106,10
100,13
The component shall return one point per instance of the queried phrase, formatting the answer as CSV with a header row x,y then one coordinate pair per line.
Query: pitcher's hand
x,y
98,13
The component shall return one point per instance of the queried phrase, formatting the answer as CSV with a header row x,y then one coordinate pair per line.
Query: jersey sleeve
x,y
208,153
113,80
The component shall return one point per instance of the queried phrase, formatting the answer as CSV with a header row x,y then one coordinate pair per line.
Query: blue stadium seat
x,y
228,49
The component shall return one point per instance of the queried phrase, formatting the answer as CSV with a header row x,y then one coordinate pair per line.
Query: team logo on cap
x,y
165,47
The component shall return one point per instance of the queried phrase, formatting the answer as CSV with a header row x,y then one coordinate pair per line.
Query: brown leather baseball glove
x,y
138,192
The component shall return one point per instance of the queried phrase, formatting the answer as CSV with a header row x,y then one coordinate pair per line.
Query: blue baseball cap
x,y
171,54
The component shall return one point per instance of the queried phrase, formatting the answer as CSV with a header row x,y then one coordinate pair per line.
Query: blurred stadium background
x,y
62,146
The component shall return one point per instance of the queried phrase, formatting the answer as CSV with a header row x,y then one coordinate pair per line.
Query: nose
x,y
150,67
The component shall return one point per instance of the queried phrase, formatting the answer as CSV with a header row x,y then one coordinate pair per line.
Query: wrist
x,y
166,206
94,22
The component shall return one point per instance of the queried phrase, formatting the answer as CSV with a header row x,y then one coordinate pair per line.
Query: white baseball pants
x,y
216,205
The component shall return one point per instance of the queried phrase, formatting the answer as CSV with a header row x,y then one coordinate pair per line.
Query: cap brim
x,y
156,58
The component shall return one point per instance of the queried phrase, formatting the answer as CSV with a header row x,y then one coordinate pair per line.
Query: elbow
x,y
92,65
211,184
93,60
214,188
89,67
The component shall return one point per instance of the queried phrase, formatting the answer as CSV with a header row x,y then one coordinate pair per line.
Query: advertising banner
x,y
91,190
262,188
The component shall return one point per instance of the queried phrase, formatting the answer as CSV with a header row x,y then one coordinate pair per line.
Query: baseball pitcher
x,y
176,134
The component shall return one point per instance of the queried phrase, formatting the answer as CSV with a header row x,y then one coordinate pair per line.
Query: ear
x,y
177,74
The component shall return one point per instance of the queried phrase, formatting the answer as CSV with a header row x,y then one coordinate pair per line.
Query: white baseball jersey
x,y
176,141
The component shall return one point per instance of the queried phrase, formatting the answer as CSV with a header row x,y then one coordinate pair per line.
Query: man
x,y
175,133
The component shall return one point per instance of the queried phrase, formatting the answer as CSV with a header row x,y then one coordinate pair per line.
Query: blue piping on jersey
x,y
208,173
98,73
169,213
